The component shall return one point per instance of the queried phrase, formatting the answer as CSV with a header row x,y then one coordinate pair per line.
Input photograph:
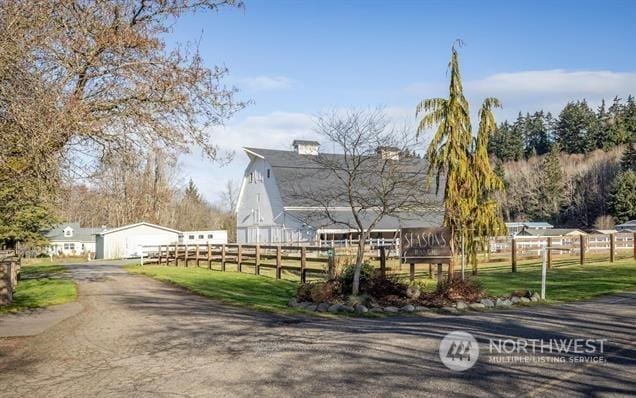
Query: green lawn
x,y
566,282
40,286
256,292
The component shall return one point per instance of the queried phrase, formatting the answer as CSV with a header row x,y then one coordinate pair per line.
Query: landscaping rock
x,y
390,309
293,302
305,304
376,309
476,306
408,308
421,308
503,303
535,297
524,300
515,300
413,292
334,308
323,307
487,302
311,307
449,310
361,309
460,305
347,308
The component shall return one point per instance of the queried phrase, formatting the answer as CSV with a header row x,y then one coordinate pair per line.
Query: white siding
x,y
217,237
126,242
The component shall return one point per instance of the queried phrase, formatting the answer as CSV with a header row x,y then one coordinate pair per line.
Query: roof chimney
x,y
303,147
388,152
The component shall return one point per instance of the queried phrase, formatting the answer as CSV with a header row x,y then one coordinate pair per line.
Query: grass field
x,y
256,292
42,285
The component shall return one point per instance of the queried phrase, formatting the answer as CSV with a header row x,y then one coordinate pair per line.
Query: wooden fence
x,y
297,259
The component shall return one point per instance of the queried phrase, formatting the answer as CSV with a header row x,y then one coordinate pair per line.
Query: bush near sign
x,y
425,245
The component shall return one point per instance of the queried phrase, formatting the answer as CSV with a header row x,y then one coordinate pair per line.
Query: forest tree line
x,y
577,169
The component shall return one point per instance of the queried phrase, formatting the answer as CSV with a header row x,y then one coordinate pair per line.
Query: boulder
x,y
476,306
408,308
413,292
460,305
322,307
311,307
524,300
347,308
515,299
293,302
305,304
535,297
376,309
449,310
391,309
334,308
421,308
487,302
361,309
502,303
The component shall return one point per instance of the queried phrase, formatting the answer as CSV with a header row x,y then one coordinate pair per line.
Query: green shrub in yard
x,y
367,271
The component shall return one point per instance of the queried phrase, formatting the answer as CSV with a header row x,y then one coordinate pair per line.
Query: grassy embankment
x,y
42,285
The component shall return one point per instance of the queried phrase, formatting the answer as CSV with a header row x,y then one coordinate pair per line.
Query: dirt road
x,y
139,337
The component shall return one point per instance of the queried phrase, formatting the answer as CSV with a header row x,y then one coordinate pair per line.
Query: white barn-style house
x,y
269,210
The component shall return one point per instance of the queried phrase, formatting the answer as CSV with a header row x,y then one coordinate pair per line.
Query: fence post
x,y
634,244
185,255
303,264
222,257
382,261
514,255
159,255
239,258
430,271
612,246
257,259
439,274
278,262
549,244
209,256
331,266
176,255
582,249
412,272
196,255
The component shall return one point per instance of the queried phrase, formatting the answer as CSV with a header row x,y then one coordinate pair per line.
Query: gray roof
x,y
529,224
550,232
303,182
341,219
628,224
305,142
79,234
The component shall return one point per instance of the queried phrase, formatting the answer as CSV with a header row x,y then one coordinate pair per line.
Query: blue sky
x,y
295,59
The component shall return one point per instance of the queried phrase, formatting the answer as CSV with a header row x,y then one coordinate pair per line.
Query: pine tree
x,y
628,160
622,198
574,127
551,191
464,162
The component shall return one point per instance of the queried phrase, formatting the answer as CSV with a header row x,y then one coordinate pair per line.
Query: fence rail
x,y
285,258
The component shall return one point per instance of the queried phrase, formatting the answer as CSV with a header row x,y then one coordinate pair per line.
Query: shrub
x,y
346,277
381,287
469,289
325,291
304,292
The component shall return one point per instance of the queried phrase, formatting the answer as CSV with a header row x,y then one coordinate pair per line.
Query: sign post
x,y
425,246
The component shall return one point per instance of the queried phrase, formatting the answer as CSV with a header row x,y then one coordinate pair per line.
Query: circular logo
x,y
459,351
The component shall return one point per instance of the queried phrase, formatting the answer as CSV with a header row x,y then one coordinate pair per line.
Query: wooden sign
x,y
425,245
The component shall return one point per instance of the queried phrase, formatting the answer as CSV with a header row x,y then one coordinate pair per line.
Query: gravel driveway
x,y
139,337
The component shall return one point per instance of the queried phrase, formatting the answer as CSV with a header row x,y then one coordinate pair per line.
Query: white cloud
x,y
263,83
556,81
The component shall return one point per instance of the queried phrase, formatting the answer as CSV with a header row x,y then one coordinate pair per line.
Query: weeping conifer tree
x,y
462,163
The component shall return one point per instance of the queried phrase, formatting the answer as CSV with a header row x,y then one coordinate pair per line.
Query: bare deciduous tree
x,y
366,180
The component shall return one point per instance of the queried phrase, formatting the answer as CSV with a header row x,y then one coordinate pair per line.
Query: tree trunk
x,y
359,258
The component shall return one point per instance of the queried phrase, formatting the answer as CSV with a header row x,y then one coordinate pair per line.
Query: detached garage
x,y
126,241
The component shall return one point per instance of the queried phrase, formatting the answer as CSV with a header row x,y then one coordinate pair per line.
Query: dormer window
x,y
68,231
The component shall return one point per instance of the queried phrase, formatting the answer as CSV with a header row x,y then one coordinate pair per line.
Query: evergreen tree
x,y
452,152
551,191
536,134
628,160
622,197
575,127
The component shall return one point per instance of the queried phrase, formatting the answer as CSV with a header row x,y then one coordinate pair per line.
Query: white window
x,y
69,246
68,231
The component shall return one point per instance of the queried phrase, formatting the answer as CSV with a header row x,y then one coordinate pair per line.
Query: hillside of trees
x,y
576,169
